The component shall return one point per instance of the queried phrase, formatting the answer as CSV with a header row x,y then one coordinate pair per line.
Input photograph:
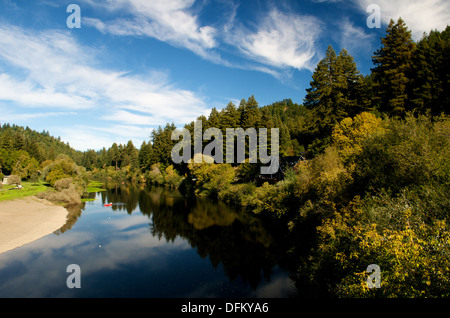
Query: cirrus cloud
x,y
166,20
281,39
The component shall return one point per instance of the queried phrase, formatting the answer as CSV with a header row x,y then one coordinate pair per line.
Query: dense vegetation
x,y
374,188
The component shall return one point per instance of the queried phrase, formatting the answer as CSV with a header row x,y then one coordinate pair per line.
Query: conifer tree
x,y
250,114
319,99
131,154
145,156
334,94
229,116
431,79
162,143
214,119
393,69
349,83
113,154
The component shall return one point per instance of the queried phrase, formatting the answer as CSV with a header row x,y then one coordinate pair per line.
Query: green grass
x,y
94,186
7,192
28,189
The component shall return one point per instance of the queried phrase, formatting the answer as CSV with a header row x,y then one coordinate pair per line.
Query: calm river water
x,y
152,242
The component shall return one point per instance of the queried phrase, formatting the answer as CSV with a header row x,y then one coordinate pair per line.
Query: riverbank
x,y
25,220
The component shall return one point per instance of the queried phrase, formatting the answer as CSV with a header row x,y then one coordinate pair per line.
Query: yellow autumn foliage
x,y
413,260
349,134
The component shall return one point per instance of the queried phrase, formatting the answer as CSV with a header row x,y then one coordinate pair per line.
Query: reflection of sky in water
x,y
119,257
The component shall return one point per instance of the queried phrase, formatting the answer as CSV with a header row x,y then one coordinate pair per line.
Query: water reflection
x,y
147,244
74,212
217,231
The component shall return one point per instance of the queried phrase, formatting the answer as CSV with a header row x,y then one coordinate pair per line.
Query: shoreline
x,y
27,219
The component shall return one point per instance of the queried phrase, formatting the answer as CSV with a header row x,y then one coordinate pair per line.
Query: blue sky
x,y
137,64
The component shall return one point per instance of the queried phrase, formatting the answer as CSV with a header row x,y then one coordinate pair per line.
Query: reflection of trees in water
x,y
74,212
241,254
238,240
123,193
215,230
225,235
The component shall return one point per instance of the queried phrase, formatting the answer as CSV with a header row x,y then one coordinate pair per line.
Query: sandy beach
x,y
25,220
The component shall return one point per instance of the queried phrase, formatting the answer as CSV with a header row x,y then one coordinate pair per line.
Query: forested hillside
x,y
23,150
374,187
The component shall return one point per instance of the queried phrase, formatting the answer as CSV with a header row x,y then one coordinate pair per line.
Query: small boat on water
x,y
108,204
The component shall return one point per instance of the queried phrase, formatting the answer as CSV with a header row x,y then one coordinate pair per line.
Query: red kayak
x,y
108,204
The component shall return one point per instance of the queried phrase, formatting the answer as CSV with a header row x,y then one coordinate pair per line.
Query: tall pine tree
x,y
393,69
229,117
431,79
334,94
250,114
350,84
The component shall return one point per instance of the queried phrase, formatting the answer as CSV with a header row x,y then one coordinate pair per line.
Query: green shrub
x,y
276,198
210,178
171,178
238,194
155,176
248,172
62,167
410,153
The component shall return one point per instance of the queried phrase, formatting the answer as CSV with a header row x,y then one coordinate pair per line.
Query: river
x,y
152,242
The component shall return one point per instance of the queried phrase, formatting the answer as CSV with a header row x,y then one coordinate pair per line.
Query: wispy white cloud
x,y
420,16
129,118
354,38
281,39
172,21
29,93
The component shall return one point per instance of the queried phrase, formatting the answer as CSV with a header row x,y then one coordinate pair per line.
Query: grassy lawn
x,y
94,186
7,192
